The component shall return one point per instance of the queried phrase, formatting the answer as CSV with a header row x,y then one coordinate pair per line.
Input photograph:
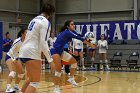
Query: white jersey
x,y
103,46
14,50
77,44
92,42
51,41
36,40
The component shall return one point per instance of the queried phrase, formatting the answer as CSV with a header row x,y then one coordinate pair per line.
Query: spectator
x,y
7,42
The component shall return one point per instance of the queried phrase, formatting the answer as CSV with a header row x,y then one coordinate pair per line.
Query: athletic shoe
x,y
72,81
57,90
9,90
16,88
83,68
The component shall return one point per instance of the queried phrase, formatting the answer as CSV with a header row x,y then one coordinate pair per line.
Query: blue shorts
x,y
78,50
91,50
24,60
56,51
7,57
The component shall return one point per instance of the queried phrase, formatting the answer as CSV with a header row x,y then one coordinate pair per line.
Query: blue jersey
x,y
7,47
63,38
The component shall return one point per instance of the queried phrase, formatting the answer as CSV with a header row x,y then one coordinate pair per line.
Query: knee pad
x,y
66,56
21,75
57,74
92,59
12,74
101,61
82,59
34,84
106,61
74,65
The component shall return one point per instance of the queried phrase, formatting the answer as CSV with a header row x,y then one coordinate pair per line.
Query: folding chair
x,y
116,60
132,61
117,42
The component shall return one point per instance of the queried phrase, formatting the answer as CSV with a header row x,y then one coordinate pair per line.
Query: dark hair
x,y
6,33
48,9
67,23
23,29
103,35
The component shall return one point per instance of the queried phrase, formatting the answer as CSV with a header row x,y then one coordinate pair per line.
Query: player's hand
x,y
92,46
7,43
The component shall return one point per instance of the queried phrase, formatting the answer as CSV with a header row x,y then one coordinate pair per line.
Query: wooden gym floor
x,y
89,82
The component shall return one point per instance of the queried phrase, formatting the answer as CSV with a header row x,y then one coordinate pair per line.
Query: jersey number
x,y
31,26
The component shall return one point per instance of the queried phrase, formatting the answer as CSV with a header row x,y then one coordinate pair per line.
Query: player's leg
x,y
57,79
106,61
11,75
93,58
81,54
76,56
20,74
101,60
33,68
69,58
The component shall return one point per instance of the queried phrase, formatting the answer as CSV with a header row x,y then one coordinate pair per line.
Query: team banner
x,y
1,39
113,30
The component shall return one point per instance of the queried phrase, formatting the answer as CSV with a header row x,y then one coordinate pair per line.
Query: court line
x,y
99,79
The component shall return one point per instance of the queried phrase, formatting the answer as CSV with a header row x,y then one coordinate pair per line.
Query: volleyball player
x,y
36,42
67,33
7,43
92,52
51,40
78,51
103,46
11,61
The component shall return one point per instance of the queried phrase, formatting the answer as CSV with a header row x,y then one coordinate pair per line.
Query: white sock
x,y
57,86
8,85
72,77
16,85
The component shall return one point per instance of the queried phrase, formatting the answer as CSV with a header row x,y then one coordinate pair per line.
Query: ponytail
x,y
67,23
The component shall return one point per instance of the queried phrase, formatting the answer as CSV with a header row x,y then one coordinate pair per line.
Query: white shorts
x,y
102,50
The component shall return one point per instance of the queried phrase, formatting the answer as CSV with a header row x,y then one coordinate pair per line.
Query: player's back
x,y
31,45
62,39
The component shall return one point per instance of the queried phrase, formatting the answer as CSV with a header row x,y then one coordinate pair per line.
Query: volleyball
x,y
89,36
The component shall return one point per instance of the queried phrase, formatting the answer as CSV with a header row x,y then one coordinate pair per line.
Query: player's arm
x,y
89,44
12,50
44,33
5,43
74,35
106,45
11,42
98,43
